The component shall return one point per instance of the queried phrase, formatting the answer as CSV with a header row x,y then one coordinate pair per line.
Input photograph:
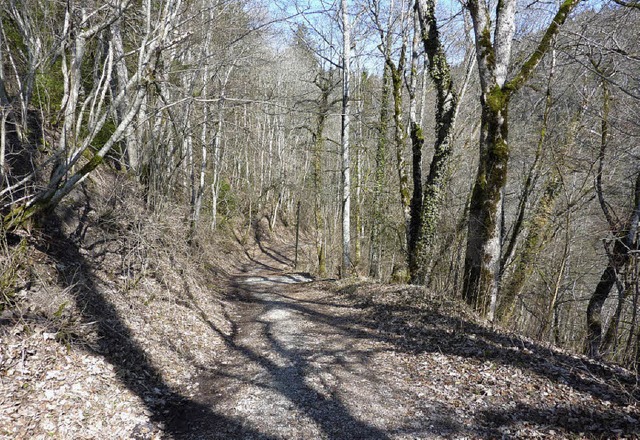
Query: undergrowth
x,y
12,261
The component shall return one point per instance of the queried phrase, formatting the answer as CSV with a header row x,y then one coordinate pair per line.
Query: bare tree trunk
x,y
346,160
204,142
325,87
132,149
217,162
4,109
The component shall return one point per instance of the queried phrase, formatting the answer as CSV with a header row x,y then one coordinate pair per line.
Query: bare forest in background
x,y
488,151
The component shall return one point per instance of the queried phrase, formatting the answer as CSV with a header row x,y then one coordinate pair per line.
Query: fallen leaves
x,y
48,391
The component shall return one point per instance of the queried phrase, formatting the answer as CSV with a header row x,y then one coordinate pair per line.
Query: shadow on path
x,y
179,416
434,333
289,378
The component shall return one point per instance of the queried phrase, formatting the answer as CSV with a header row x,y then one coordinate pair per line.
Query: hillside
x,y
119,329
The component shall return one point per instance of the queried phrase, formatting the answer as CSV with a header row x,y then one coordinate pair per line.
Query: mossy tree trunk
x,y
397,83
482,260
536,237
446,107
379,176
417,144
483,252
396,25
325,85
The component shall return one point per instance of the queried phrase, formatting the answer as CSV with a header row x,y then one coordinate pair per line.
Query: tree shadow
x,y
251,258
274,254
179,416
466,339
329,413
440,333
390,323
567,418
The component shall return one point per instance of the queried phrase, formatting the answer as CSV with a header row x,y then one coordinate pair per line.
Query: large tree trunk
x,y
482,260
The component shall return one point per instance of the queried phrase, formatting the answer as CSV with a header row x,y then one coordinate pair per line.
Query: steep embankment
x,y
122,331
105,336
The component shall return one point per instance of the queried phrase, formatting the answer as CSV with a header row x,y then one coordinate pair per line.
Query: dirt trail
x,y
301,362
301,368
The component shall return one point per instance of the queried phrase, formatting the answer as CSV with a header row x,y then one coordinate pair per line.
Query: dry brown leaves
x,y
493,384
49,391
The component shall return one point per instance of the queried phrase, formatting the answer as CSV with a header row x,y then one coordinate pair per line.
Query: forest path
x,y
300,366
304,360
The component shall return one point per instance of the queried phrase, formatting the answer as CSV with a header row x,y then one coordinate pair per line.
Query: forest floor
x,y
247,348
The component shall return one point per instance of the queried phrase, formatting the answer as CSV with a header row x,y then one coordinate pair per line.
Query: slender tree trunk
x,y
533,242
4,113
346,159
610,342
318,145
379,175
5,108
131,147
357,212
217,162
204,141
417,143
399,136
532,175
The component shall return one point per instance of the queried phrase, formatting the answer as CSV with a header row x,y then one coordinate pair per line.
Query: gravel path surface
x,y
303,369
